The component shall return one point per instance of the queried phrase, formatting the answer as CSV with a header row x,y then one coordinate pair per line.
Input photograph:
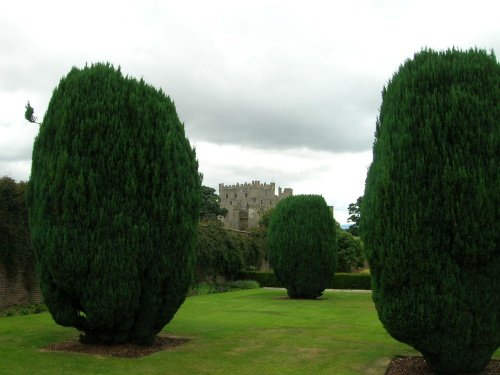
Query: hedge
x,y
360,281
223,252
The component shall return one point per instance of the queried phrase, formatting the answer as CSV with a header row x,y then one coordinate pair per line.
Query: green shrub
x,y
23,310
350,252
210,251
202,289
259,235
265,279
242,284
429,216
302,243
361,281
114,197
205,288
234,258
340,280
223,252
255,251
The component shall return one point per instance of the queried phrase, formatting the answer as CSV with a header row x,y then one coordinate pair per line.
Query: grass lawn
x,y
256,331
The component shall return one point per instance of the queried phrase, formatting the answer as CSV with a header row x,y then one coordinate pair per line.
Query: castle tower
x,y
245,203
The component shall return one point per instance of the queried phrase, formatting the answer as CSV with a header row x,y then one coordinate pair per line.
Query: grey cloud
x,y
284,78
324,119
16,142
24,64
18,170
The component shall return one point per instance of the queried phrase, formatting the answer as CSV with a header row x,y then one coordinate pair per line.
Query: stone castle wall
x,y
247,202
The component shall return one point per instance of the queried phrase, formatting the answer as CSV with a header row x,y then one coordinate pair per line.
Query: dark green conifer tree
x,y
429,216
302,245
114,199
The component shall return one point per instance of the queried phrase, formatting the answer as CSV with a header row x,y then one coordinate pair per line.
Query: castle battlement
x,y
253,184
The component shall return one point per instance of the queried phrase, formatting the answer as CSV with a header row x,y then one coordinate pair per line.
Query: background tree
x,y
114,206
259,235
264,220
210,208
16,253
224,252
349,252
354,212
302,245
212,252
429,216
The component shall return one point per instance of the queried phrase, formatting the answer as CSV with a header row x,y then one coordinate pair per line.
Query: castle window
x,y
246,195
235,195
227,196
230,203
260,202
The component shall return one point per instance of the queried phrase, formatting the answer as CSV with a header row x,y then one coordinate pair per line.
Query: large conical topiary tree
x,y
302,245
114,198
429,216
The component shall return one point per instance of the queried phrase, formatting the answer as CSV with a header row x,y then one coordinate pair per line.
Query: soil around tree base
x,y
418,366
124,350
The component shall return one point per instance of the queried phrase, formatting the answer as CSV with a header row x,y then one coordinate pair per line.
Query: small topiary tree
x,y
302,245
429,216
114,197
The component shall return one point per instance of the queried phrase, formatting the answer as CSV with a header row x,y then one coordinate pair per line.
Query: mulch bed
x,y
418,366
124,351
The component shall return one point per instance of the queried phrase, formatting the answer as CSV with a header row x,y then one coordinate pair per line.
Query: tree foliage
x,y
354,212
223,252
210,208
29,114
302,245
429,217
114,205
259,236
264,220
16,253
349,252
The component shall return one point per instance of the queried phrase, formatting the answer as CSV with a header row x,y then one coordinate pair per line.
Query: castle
x,y
245,203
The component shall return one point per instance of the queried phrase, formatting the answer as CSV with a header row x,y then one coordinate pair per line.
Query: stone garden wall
x,y
15,292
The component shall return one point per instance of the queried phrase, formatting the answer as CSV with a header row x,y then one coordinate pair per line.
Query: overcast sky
x,y
276,91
